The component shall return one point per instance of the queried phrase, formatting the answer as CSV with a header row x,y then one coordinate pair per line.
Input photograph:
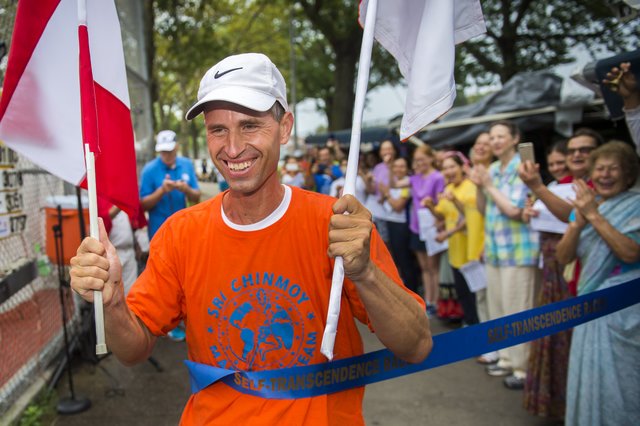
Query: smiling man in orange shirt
x,y
249,272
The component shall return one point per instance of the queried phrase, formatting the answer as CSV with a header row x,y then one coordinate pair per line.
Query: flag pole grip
x,y
98,309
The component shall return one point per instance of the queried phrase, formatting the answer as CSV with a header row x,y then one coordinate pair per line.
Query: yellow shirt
x,y
475,224
458,242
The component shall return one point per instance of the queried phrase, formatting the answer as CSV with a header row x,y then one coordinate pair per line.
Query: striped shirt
x,y
509,242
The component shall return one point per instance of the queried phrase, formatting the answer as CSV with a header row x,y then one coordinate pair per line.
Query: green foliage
x,y
192,35
40,411
528,35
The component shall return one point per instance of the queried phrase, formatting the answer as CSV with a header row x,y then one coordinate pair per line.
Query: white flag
x,y
421,35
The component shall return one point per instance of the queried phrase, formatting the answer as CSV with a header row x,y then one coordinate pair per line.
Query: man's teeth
x,y
236,167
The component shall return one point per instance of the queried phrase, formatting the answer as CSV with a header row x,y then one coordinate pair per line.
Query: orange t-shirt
x,y
254,300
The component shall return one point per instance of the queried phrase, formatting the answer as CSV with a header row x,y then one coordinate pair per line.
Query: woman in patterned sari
x,y
546,385
603,386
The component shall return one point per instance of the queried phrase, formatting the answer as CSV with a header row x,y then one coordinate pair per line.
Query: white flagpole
x,y
101,346
329,336
98,308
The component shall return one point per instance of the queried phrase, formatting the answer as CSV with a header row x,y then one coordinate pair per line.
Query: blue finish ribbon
x,y
450,347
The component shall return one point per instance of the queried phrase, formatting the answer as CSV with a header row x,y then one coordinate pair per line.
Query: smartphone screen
x,y
526,152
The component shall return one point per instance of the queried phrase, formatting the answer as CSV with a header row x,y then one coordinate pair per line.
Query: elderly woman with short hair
x,y
604,380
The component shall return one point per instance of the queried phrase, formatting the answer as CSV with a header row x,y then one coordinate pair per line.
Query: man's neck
x,y
245,209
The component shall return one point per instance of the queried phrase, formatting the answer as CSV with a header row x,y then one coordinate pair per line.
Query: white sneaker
x,y
488,358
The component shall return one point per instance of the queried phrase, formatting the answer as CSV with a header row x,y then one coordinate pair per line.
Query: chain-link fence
x,y
30,302
31,339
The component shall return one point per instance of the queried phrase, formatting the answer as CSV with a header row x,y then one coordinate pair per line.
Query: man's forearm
x,y
504,205
193,194
397,318
148,202
127,337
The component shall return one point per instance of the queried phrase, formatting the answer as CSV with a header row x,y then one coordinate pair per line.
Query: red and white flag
x,y
421,35
66,84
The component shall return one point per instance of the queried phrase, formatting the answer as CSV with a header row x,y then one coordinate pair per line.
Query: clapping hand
x,y
181,185
447,195
585,204
480,176
427,202
528,211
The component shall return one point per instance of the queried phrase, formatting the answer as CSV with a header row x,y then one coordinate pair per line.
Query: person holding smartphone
x,y
511,247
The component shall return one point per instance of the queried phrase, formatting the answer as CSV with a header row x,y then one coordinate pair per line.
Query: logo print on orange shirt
x,y
264,328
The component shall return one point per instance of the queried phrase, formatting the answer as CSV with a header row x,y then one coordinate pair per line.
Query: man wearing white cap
x,y
167,182
249,271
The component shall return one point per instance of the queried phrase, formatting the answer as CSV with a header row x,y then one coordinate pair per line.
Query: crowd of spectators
x,y
446,210
442,213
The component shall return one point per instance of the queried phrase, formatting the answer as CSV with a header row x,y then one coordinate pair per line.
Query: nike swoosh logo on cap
x,y
220,74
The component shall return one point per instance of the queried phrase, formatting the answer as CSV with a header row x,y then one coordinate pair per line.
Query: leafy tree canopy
x,y
192,35
528,35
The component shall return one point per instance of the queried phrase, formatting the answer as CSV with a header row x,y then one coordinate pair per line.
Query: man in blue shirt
x,y
167,182
325,170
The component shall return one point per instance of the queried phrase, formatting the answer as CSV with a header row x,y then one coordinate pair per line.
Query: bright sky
x,y
382,104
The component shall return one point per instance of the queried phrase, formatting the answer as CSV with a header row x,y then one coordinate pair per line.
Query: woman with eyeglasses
x,y
603,385
579,146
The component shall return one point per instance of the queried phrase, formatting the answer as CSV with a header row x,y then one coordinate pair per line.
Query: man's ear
x,y
286,124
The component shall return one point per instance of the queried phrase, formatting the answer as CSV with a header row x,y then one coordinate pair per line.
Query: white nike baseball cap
x,y
249,79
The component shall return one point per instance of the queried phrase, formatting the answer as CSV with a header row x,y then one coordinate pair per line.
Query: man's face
x,y
169,157
245,145
578,150
324,156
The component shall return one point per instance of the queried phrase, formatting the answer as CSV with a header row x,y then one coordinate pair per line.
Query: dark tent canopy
x,y
526,92
544,105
